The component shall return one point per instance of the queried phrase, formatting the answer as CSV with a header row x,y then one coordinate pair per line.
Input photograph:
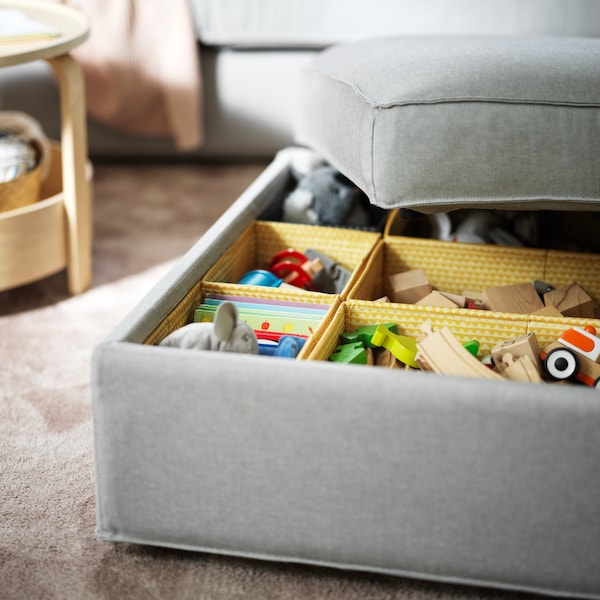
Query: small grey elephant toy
x,y
226,334
323,196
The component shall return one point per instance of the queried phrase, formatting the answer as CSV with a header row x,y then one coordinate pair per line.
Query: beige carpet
x,y
145,217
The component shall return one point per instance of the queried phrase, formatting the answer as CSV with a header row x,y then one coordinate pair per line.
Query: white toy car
x,y
574,356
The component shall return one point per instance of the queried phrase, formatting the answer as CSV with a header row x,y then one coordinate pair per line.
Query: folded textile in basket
x,y
23,146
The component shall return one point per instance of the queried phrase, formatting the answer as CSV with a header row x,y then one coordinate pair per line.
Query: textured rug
x,y
145,217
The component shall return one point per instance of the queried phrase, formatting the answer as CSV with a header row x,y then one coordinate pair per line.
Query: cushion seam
x,y
457,99
372,153
490,100
492,200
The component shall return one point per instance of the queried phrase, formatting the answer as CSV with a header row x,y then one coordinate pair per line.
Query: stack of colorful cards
x,y
271,319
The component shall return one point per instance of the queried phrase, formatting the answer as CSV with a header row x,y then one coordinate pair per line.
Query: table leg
x,y
76,188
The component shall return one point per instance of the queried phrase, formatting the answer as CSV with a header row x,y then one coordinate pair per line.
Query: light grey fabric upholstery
x,y
474,481
319,23
436,123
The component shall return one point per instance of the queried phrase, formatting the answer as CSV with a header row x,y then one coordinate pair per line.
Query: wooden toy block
x,y
473,299
517,298
384,358
458,299
312,267
409,287
315,269
547,311
524,345
437,299
473,295
571,300
520,368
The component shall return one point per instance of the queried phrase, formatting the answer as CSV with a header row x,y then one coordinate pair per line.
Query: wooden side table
x,y
55,233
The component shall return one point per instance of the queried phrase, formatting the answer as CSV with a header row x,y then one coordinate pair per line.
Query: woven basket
x,y
25,189
260,241
21,191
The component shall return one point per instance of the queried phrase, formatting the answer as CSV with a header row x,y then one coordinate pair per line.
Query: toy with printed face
x,y
225,334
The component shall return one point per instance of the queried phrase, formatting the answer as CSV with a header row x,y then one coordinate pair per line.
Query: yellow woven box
x,y
458,267
487,327
262,240
183,313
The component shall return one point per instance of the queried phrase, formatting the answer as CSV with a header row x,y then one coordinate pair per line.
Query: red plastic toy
x,y
294,268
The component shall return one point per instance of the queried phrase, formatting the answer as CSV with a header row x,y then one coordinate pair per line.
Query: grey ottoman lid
x,y
443,122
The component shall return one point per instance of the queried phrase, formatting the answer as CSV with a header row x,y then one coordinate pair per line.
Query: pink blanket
x,y
141,68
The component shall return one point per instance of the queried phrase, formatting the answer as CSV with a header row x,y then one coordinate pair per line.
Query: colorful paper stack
x,y
271,319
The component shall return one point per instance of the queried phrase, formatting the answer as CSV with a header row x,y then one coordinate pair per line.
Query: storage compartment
x,y
183,313
453,479
487,327
575,231
482,331
457,268
258,244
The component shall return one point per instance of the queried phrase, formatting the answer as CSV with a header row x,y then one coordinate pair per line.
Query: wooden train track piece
x,y
441,352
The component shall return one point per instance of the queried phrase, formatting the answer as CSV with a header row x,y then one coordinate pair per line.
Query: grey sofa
x,y
251,52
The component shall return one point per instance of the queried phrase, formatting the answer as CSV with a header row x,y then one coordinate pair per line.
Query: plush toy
x,y
323,196
502,227
226,334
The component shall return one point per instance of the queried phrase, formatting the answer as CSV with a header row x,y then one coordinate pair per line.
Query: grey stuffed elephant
x,y
225,334
324,196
